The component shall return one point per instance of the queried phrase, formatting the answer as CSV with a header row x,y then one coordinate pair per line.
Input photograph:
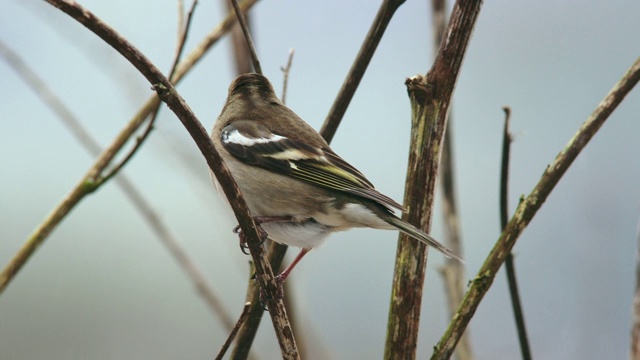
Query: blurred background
x,y
103,287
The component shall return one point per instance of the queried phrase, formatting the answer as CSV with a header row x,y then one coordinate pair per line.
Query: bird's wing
x,y
254,144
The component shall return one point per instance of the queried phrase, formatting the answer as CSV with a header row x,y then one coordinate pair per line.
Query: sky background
x,y
103,287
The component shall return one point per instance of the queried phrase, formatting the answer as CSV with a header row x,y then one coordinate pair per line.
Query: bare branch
x,y
183,33
527,209
89,181
169,95
180,4
351,82
247,36
453,274
182,39
430,97
195,55
504,218
131,192
285,72
248,331
276,255
241,55
234,331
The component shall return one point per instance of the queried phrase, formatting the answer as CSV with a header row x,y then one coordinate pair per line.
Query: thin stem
x,y
275,254
247,36
527,209
430,97
241,55
168,94
88,183
183,33
504,218
287,286
453,272
234,331
131,192
182,39
249,329
285,74
351,82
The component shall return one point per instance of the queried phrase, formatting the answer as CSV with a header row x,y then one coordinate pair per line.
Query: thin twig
x,y
131,192
288,294
168,94
275,254
88,183
528,207
247,35
44,92
351,82
285,74
430,97
453,274
234,331
512,280
241,55
180,27
248,331
183,30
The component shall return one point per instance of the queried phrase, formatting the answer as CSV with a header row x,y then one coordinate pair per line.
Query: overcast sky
x,y
102,286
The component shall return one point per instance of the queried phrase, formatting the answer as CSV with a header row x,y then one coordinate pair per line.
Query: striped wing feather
x,y
321,167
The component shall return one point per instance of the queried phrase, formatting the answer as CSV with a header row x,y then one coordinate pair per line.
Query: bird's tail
x,y
421,236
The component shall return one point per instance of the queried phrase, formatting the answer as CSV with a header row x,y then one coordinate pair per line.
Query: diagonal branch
x,y
183,30
527,209
276,255
130,190
351,82
504,218
453,272
169,95
241,55
430,97
234,331
91,181
247,35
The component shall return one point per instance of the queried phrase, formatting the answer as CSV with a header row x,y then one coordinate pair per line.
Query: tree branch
x,y
234,331
453,274
247,36
176,103
131,192
183,30
351,82
504,218
241,55
527,209
430,97
91,181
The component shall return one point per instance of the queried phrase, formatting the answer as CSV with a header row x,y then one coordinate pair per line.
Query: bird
x,y
297,188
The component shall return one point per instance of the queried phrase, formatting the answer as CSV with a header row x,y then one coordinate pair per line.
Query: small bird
x,y
296,187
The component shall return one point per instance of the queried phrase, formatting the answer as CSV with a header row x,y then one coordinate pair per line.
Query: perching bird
x,y
296,187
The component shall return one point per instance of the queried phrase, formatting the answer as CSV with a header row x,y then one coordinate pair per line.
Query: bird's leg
x,y
285,274
281,278
263,234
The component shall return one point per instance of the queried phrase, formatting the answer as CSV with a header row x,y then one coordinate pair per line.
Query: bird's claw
x,y
243,241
